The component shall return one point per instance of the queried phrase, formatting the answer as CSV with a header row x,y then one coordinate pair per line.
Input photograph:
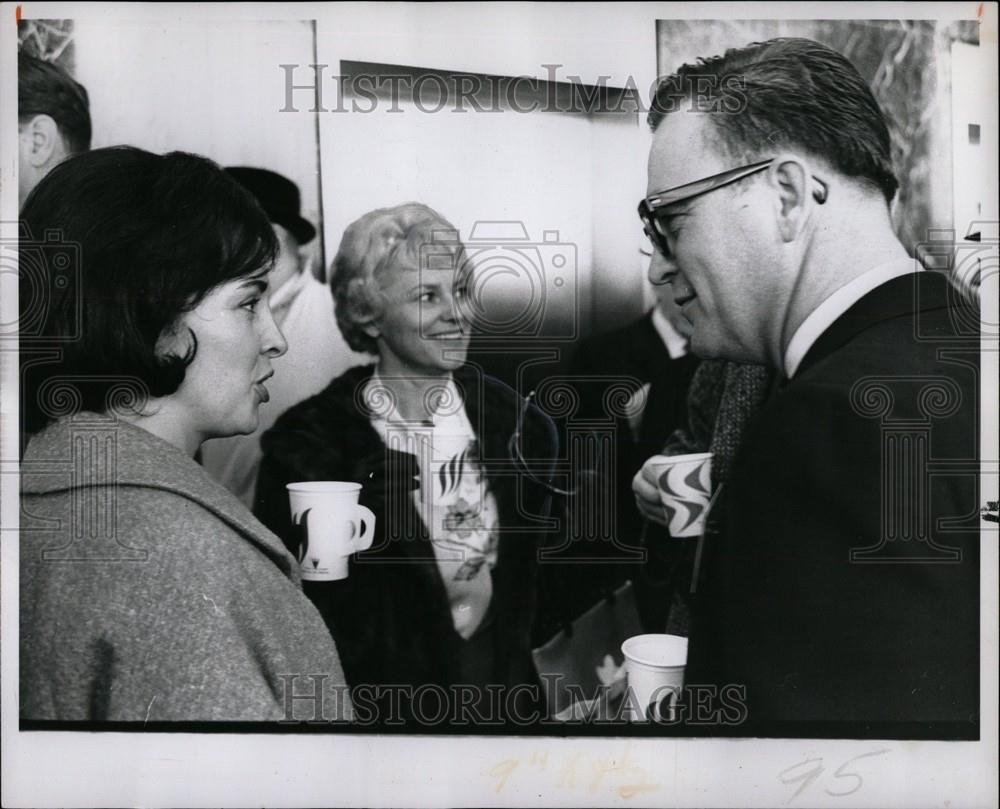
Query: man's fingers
x,y
644,488
653,512
647,497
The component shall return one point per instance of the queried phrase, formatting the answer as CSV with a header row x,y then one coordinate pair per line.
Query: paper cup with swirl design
x,y
685,484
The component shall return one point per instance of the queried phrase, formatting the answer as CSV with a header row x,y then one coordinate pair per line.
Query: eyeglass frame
x,y
648,206
517,456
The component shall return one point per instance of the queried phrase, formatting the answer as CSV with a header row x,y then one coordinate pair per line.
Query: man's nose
x,y
662,270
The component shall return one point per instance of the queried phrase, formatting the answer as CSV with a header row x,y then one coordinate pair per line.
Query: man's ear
x,y
792,181
44,141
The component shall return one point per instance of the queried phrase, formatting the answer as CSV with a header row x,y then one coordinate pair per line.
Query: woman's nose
x,y
273,342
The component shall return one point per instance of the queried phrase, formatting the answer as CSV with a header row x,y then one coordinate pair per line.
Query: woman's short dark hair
x,y
116,244
787,92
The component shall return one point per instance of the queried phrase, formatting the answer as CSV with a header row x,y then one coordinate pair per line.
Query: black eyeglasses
x,y
648,208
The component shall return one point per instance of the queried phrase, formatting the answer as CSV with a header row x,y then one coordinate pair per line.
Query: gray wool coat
x,y
149,593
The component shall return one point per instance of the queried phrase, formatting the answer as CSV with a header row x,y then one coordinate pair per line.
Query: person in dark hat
x,y
303,310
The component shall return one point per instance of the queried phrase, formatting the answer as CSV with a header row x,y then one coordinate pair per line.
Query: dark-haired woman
x,y
148,592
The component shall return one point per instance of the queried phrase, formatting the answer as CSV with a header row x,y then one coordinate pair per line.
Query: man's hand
x,y
647,493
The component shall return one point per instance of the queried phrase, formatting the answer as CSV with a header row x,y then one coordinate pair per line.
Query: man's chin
x,y
703,346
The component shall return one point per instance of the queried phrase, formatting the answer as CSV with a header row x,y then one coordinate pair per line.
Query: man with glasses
x,y
845,588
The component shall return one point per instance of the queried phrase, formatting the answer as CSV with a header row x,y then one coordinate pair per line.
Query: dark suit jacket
x,y
605,369
635,353
845,593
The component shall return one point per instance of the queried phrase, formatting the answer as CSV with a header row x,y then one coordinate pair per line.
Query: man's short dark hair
x,y
46,89
787,92
143,239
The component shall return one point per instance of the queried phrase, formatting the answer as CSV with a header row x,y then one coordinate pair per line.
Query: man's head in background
x,y
53,120
279,197
770,178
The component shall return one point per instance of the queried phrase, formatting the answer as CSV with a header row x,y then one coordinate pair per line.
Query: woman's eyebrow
x,y
260,284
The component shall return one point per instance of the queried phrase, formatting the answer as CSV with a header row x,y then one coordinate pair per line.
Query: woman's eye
x,y
426,297
251,305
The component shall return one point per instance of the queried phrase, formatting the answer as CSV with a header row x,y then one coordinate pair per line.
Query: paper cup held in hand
x,y
331,526
685,484
655,666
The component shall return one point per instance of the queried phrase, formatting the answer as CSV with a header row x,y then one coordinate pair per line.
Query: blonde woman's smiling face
x,y
421,330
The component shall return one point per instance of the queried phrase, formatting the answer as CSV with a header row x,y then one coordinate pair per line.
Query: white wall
x,y
211,87
577,174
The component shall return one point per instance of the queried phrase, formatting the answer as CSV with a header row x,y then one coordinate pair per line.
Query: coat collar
x,y
905,295
64,456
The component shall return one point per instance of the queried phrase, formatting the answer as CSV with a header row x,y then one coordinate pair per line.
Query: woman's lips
x,y
261,390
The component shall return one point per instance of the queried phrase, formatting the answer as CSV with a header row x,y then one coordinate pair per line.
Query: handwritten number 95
x,y
805,772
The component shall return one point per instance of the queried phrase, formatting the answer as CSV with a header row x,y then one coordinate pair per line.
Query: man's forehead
x,y
685,148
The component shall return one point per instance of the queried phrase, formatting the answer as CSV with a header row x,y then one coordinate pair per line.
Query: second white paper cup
x,y
655,666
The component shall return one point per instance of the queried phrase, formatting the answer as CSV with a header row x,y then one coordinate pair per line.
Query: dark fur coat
x,y
391,618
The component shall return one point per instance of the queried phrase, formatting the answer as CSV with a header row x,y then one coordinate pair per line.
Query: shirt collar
x,y
676,343
824,315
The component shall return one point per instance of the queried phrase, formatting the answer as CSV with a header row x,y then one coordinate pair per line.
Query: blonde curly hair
x,y
371,246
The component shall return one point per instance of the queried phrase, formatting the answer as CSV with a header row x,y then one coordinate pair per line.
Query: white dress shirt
x,y
677,346
826,314
676,343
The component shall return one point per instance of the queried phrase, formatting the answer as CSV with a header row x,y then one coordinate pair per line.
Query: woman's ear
x,y
177,340
792,183
372,329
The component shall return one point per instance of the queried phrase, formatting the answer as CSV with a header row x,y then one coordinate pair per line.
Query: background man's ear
x,y
790,176
44,140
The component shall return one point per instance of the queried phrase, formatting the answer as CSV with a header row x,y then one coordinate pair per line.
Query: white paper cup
x,y
332,525
685,484
655,666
